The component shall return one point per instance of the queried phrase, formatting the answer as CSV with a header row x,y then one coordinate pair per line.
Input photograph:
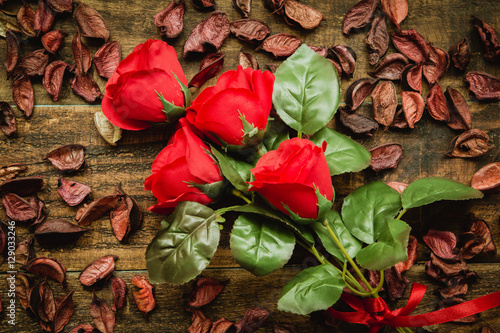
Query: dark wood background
x,y
71,121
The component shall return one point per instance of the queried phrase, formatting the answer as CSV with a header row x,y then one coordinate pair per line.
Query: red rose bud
x,y
183,171
147,87
295,179
234,111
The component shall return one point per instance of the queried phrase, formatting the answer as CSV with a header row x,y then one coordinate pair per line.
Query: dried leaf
x,y
396,10
441,243
44,18
460,54
91,23
358,91
103,316
487,178
253,319
458,289
385,103
67,157
413,107
359,15
98,270
391,67
109,132
280,45
47,267
73,192
346,57
106,59
22,289
449,267
83,57
11,170
18,209
64,311
321,50
471,245
41,302
13,50
53,40
301,14
247,60
200,322
204,4
82,328
8,25
284,328
24,251
436,65
205,292
26,20
208,35
460,118
34,63
126,217
8,123
357,123
23,187
377,40
411,78
470,144
483,86
23,95
243,7
53,78
250,30
436,103
96,209
84,86
395,284
480,228
119,290
54,233
39,206
170,19
61,5
386,156
144,298
210,66
411,44
489,39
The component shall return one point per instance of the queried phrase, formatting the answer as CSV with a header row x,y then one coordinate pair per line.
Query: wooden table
x,y
71,121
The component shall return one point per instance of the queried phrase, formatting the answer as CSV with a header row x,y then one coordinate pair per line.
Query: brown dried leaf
x,y
487,178
437,64
204,4
413,107
386,156
210,66
411,44
208,35
91,22
24,251
321,50
377,40
54,233
396,10
23,187
385,103
460,118
170,19
391,67
39,206
83,57
346,57
205,292
72,192
359,15
26,20
44,18
119,291
41,302
243,7
272,67
471,245
126,217
18,209
82,328
441,243
103,316
109,132
34,63
22,289
460,54
412,255
47,267
458,289
280,45
53,78
483,86
411,78
487,329
253,319
395,284
449,267
250,30
480,228
200,322
106,59
67,157
98,270
247,60
96,209
301,14
84,86
284,328
8,123
358,91
61,5
11,170
144,298
357,123
13,50
436,103
53,40
489,39
23,95
64,311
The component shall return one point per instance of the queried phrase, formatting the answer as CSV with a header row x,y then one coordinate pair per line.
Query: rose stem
x,y
400,329
299,134
356,283
401,214
238,194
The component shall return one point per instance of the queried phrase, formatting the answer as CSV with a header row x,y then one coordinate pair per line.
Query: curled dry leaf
x,y
18,209
346,57
358,91
67,157
460,54
98,270
460,118
13,50
483,86
84,86
106,59
53,40
205,291
72,192
61,5
449,267
39,206
250,30
64,311
247,60
53,78
204,4
487,178
200,322
471,245
222,326
321,50
470,144
34,63
109,132
119,291
11,170
8,123
91,23
23,187
385,103
400,120
126,217
96,209
413,107
23,94
357,123
208,35
436,65
280,45
44,18
83,57
22,289
436,103
412,256
170,20
243,7
458,289
411,78
480,228
57,232
272,67
396,10
210,66
377,40
400,187
441,243
103,316
411,44
253,319
42,303
24,251
47,267
301,14
144,298
284,328
386,156
395,284
359,15
26,20
390,67
489,39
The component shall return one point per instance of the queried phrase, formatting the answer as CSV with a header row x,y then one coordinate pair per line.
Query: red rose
x,y
180,169
290,176
240,98
131,100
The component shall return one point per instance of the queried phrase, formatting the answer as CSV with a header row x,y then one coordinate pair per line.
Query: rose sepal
x,y
324,206
212,190
172,111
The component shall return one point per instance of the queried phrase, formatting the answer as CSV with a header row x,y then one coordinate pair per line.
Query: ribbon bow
x,y
375,313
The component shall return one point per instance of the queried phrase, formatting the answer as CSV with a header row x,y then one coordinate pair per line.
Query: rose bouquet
x,y
279,162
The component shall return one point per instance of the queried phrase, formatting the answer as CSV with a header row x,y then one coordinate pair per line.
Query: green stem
x,y
353,279
400,329
406,329
299,134
238,194
401,213
381,282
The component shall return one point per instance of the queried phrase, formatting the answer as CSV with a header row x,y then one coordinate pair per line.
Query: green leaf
x,y
276,133
184,247
260,245
237,172
342,153
306,91
428,190
351,244
211,190
315,288
365,211
390,249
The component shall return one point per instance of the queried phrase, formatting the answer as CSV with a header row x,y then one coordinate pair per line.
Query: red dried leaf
x,y
18,209
210,66
8,123
391,67
67,157
200,322
106,59
44,18
64,311
413,107
39,206
83,57
412,256
395,284
489,39
250,30
243,7
98,270
144,298
321,50
460,118
13,50
57,232
26,20
357,123
23,95
301,14
253,319
396,10
358,91
53,40
411,78
23,187
377,40
208,35
411,44
442,243
346,57
480,228
96,209
205,292
470,144
471,245
53,78
103,316
47,267
82,328
204,4
84,86
280,45
460,54
384,102
247,60
126,217
119,291
386,156
61,5
458,289
22,289
359,15
41,302
400,187
436,103
170,19
91,23
73,192
487,178
483,86
449,267
437,64
34,63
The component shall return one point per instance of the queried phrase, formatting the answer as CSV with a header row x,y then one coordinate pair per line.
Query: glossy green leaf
x,y
342,153
365,211
235,171
315,288
306,91
183,248
390,248
260,245
351,244
428,190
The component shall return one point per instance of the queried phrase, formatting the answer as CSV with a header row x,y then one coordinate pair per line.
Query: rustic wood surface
x,y
71,121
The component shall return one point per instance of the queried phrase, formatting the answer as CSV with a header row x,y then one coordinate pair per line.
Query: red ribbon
x,y
375,313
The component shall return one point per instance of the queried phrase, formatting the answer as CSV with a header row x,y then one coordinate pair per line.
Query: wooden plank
x,y
243,291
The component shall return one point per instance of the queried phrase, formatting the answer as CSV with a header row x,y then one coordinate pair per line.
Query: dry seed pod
x,y
280,45
460,118
170,19
489,39
470,144
34,63
119,291
204,4
411,78
460,54
103,316
84,86
98,270
67,157
487,178
436,65
64,311
126,217
357,123
358,91
205,291
73,192
243,7
346,57
144,298
83,58
53,40
18,209
91,23
247,60
396,10
13,50
61,5
23,187
26,20
253,319
96,209
483,86
386,156
359,15
436,103
55,233
44,18
208,35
